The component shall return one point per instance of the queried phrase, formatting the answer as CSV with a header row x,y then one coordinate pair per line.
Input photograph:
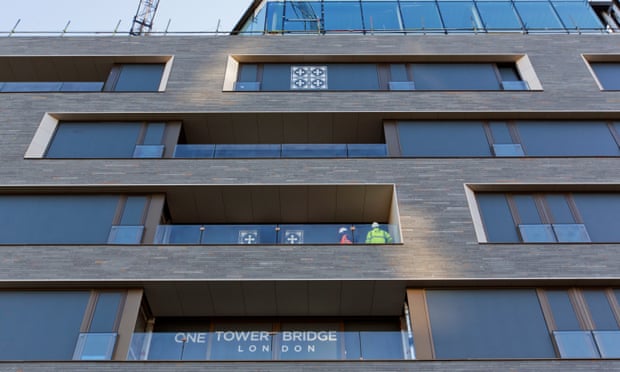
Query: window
x,y
71,219
378,76
107,140
489,323
550,217
271,339
82,74
608,74
370,17
44,326
508,138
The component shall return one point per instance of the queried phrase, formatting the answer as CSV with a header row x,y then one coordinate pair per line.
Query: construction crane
x,y
143,20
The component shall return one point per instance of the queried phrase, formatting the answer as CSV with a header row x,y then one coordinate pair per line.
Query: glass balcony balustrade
x,y
422,17
95,346
268,345
273,234
253,151
588,344
43,86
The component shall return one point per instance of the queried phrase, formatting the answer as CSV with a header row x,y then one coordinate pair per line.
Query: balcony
x,y
271,234
263,344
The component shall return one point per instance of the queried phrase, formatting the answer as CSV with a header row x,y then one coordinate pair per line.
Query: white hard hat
x,y
342,229
375,224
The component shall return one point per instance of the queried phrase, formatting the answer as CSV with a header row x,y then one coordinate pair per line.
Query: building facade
x,y
192,202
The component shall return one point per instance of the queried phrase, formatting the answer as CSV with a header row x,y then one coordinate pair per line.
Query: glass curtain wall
x,y
423,16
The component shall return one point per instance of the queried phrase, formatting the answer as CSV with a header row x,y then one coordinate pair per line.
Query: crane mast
x,y
143,20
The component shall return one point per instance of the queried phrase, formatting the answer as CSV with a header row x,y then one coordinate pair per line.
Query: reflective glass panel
x,y
571,233
455,76
560,211
527,209
460,16
148,151
139,77
538,16
577,15
40,325
95,346
563,311
82,86
382,16
239,234
247,151
56,219
608,75
274,17
126,235
601,215
310,341
362,150
421,16
470,324
541,233
575,344
106,311
242,341
343,17
500,131
600,310
276,77
314,151
178,234
349,76
608,343
302,16
94,140
567,138
497,218
25,87
256,25
309,234
134,210
507,149
442,139
194,151
499,15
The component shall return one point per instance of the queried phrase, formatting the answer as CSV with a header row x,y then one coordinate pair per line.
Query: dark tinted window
x,y
608,75
139,78
94,140
498,221
276,77
601,215
56,219
449,76
353,77
488,324
562,309
106,311
600,310
554,138
40,325
442,139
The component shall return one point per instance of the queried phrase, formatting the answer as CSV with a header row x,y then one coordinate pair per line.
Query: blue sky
x,y
103,15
